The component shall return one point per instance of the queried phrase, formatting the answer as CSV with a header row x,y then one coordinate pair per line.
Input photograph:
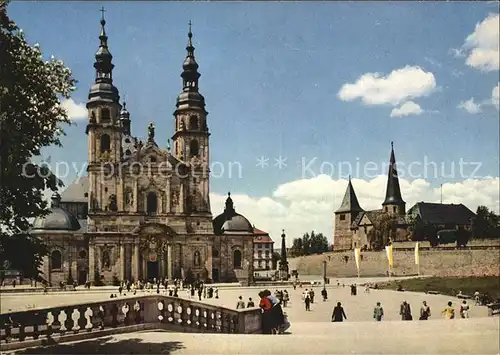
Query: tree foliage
x,y
31,116
310,243
486,224
384,229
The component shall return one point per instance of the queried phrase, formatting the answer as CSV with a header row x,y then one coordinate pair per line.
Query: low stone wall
x,y
472,262
82,321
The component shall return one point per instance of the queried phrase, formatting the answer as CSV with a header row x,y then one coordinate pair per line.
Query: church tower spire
x,y
191,136
103,90
393,202
104,130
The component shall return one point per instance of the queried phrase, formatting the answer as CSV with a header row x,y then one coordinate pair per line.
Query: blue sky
x,y
271,76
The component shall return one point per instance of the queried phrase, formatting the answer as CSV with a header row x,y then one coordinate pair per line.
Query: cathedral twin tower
x,y
111,143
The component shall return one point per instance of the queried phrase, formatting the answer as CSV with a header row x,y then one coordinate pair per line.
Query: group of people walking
x,y
425,311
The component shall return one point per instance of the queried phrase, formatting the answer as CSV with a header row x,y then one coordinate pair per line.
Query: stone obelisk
x,y
283,267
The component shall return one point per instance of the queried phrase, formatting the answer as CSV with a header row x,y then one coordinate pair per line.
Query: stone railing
x,y
82,321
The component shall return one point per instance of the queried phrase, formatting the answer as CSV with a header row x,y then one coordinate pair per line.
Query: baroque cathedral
x,y
143,212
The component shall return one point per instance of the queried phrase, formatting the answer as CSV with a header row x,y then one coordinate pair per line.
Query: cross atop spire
x,y
102,13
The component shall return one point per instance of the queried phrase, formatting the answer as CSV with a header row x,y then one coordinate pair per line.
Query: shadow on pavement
x,y
103,346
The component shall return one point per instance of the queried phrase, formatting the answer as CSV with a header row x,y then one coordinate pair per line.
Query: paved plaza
x,y
310,332
358,308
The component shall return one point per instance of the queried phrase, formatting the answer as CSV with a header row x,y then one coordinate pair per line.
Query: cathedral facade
x,y
143,212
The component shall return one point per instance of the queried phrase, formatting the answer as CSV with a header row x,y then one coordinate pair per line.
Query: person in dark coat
x,y
338,314
324,293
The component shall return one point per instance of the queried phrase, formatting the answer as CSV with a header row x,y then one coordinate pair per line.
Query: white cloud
x,y
470,106
308,204
406,109
495,96
482,45
398,86
75,111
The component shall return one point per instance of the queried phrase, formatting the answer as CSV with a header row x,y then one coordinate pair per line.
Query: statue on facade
x,y
197,259
182,127
106,260
129,197
175,198
151,132
113,206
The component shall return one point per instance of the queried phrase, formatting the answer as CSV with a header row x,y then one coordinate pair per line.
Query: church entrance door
x,y
82,277
215,275
152,270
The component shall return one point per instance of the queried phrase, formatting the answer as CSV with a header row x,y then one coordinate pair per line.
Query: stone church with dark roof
x,y
143,212
353,223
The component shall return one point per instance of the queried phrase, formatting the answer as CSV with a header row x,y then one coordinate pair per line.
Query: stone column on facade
x,y
136,274
121,194
122,261
169,261
208,262
181,198
99,258
136,195
91,274
167,195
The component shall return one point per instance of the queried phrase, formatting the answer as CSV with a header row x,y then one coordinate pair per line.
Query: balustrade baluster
x,y
114,315
8,324
36,321
19,322
137,312
81,322
69,322
101,317
126,314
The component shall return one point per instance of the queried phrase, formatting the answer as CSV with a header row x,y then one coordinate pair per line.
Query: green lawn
x,y
449,285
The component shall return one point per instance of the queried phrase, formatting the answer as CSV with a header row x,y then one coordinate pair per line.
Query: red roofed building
x,y
263,254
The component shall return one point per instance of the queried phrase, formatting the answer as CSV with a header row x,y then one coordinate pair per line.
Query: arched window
x,y
152,203
237,259
197,259
105,114
105,143
194,148
82,254
56,260
193,122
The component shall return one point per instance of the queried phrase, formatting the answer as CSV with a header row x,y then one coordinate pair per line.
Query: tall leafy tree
x,y
486,224
310,243
384,228
31,117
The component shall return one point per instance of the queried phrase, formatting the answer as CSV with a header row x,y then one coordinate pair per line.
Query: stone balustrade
x,y
45,326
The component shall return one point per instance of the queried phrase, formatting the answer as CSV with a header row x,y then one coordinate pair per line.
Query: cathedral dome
x,y
230,221
57,220
237,223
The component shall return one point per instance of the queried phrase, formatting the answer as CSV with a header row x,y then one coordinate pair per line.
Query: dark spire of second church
x,y
393,191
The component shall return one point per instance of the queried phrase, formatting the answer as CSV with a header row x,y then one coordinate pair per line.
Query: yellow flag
x,y
357,256
417,256
388,251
